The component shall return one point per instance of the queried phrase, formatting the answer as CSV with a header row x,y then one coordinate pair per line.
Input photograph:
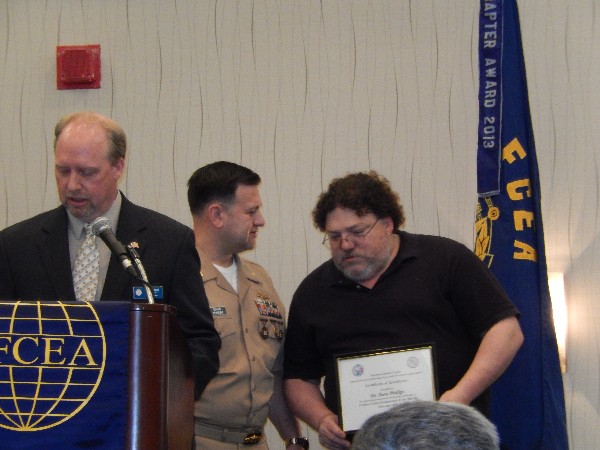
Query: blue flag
x,y
528,400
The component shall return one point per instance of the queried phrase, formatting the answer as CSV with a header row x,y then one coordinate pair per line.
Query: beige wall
x,y
302,91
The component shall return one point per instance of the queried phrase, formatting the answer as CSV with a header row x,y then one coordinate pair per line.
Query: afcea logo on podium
x,y
52,357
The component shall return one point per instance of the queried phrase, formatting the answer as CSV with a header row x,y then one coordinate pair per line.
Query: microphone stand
x,y
141,272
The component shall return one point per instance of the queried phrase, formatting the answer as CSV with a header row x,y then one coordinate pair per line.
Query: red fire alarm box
x,y
78,67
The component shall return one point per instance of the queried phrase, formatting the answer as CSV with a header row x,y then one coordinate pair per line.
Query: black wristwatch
x,y
297,441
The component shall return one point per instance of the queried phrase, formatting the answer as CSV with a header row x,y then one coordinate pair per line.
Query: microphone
x,y
131,249
101,228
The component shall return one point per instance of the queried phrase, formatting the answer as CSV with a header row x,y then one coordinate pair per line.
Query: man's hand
x,y
331,436
452,396
496,351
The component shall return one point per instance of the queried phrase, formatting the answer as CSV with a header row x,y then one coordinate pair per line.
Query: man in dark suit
x,y
37,256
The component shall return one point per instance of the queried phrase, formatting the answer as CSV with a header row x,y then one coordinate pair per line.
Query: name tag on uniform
x,y
218,311
139,292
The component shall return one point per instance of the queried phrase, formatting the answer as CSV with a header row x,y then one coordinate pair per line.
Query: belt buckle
x,y
252,438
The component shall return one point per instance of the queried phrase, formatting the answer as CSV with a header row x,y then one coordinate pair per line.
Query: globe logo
x,y
358,370
52,357
412,362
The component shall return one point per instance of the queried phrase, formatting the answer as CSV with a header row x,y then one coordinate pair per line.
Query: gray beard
x,y
359,275
374,266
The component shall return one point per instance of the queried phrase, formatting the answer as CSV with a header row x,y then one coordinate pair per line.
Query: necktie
x,y
87,263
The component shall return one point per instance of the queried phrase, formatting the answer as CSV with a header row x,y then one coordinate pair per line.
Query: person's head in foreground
x,y
427,425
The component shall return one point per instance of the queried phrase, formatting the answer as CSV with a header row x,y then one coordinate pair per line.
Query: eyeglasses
x,y
356,238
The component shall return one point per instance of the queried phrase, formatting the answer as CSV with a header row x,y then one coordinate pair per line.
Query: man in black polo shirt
x,y
386,288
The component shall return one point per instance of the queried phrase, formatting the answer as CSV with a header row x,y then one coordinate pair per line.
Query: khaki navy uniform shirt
x,y
251,326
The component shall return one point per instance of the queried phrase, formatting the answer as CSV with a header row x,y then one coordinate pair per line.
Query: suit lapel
x,y
54,250
130,228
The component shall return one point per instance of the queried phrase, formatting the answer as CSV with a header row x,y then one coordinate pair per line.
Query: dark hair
x,y
365,193
218,181
114,132
423,425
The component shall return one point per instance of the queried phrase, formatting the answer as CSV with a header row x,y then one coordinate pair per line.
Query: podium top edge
x,y
157,307
133,306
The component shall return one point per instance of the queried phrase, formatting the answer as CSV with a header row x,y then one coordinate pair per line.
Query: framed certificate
x,y
372,382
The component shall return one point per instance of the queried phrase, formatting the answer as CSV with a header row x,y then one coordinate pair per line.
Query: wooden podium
x,y
101,375
161,382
